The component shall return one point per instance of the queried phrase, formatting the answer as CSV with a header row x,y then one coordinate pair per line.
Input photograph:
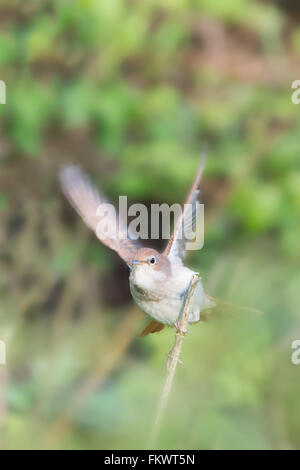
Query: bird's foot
x,y
178,328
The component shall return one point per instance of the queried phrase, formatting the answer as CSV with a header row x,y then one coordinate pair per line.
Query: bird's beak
x,y
136,262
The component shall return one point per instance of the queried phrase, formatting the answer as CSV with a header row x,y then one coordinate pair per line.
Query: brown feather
x,y
152,327
86,200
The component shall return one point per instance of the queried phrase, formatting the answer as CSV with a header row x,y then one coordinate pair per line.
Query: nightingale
x,y
158,281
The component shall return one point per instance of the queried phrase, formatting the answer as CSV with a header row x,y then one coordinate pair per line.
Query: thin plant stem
x,y
173,359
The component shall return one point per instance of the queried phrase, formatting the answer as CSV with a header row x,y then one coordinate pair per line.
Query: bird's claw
x,y
179,329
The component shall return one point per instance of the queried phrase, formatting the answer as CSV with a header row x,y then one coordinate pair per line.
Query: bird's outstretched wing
x,y
185,225
94,210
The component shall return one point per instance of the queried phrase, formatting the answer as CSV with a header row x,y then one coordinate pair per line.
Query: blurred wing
x,y
223,309
90,205
176,248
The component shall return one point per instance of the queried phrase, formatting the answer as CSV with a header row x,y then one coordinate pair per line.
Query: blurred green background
x,y
131,90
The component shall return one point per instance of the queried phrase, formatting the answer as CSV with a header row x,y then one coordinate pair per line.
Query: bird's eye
x,y
152,260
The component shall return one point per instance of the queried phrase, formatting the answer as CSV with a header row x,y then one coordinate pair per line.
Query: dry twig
x,y
173,359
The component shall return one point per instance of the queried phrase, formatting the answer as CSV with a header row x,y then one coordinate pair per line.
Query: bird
x,y
158,281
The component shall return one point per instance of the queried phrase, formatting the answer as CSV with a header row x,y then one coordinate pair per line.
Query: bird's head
x,y
151,261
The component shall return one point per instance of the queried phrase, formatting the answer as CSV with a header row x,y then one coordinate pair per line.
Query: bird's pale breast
x,y
163,300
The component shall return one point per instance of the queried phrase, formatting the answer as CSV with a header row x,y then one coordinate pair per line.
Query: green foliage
x,y
31,108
